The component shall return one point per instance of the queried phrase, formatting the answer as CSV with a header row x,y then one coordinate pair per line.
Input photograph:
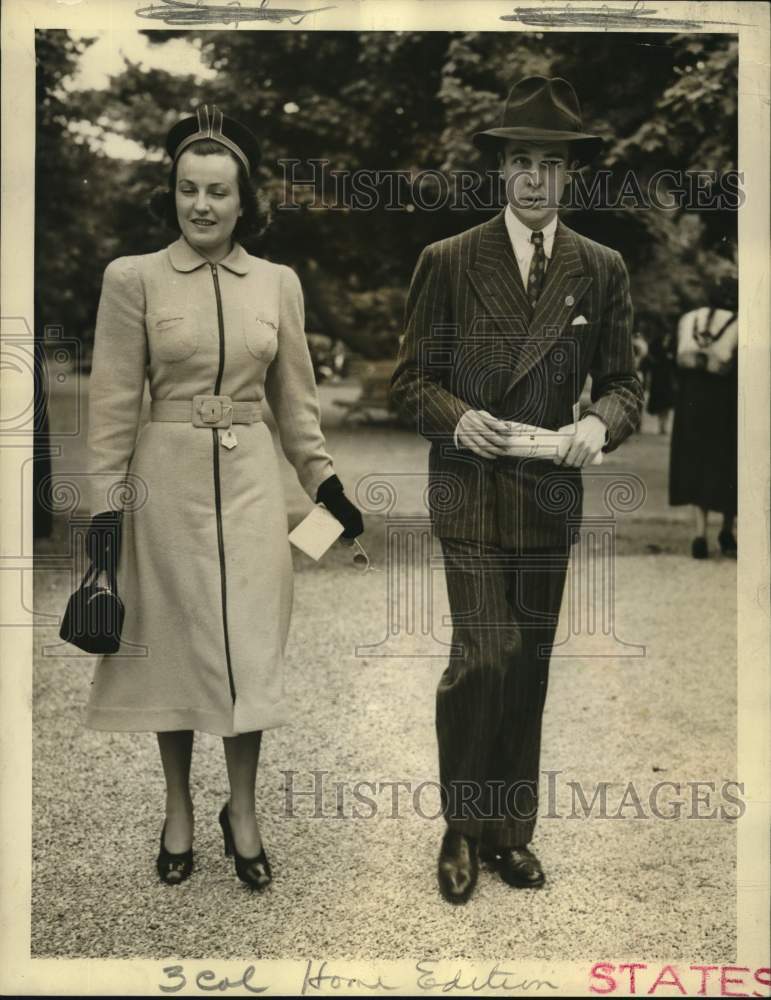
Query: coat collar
x,y
520,235
495,276
495,249
184,258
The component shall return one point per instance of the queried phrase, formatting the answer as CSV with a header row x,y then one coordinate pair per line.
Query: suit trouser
x,y
490,699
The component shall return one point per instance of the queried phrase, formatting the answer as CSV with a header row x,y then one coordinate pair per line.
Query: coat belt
x,y
207,411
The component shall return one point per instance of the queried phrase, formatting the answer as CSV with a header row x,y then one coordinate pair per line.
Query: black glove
x,y
331,494
103,540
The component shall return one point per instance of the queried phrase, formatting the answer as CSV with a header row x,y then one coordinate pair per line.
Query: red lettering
x,y
704,969
661,981
632,966
724,979
598,973
762,981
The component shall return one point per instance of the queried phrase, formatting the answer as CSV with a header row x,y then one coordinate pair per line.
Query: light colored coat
x,y
205,569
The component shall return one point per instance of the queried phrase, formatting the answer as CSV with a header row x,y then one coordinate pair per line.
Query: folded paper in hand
x,y
527,441
316,533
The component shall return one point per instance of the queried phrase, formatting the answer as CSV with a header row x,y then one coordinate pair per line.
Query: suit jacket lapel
x,y
494,274
564,286
495,277
564,283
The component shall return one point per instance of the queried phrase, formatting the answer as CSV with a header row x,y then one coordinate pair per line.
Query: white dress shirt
x,y
519,234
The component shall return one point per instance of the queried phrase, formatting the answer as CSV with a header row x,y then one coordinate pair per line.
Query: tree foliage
x,y
389,101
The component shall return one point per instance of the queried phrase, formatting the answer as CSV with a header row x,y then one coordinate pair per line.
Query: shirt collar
x,y
185,258
519,234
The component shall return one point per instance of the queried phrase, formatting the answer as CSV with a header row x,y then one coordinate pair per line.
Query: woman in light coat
x,y
191,513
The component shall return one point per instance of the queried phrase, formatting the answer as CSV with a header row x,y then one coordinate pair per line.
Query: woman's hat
x,y
539,109
210,123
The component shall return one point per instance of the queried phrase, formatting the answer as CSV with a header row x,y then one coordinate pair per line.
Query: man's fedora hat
x,y
539,109
210,123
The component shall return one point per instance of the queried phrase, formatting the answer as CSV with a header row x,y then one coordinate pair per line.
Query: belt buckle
x,y
212,411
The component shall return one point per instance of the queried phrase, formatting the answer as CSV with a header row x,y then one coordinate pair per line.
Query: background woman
x,y
202,556
703,456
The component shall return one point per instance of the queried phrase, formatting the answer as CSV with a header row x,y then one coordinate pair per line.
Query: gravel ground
x,y
365,887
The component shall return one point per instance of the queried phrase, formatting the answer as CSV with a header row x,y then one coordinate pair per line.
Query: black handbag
x,y
93,618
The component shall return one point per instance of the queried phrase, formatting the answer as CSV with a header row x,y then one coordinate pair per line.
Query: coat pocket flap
x,y
260,329
172,333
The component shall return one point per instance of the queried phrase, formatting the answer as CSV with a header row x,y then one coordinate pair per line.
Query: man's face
x,y
535,174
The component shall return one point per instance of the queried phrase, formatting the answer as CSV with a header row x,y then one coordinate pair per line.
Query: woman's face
x,y
208,202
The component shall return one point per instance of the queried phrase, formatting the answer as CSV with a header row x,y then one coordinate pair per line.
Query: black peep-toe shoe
x,y
255,872
174,868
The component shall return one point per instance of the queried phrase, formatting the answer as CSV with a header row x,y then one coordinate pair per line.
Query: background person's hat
x,y
210,123
539,109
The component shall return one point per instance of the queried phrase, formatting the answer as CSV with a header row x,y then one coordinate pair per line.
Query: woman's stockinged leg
x,y
176,754
242,754
699,547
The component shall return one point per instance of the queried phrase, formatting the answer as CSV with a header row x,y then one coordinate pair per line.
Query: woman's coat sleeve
x,y
290,388
116,385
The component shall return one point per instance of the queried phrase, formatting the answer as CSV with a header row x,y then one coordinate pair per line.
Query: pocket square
x,y
580,321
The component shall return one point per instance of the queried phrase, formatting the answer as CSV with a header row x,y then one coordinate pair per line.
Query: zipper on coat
x,y
217,486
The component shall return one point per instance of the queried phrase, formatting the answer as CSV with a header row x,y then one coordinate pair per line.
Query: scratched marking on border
x,y
193,12
603,17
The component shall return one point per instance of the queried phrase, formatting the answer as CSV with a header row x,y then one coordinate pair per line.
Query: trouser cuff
x,y
494,833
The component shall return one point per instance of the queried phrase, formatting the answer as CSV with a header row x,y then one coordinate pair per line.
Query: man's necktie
x,y
537,269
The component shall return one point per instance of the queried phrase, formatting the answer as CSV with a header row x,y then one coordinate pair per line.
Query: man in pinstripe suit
x,y
503,323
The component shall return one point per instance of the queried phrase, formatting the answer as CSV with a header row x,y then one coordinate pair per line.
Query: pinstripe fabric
x,y
470,341
491,697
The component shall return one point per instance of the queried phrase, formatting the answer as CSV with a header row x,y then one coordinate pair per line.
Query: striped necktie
x,y
537,268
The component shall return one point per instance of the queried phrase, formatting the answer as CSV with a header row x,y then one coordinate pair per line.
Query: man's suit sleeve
x,y
417,390
617,395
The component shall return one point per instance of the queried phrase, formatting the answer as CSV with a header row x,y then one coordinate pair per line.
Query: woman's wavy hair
x,y
256,215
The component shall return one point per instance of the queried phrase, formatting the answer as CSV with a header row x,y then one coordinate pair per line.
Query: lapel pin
x,y
569,300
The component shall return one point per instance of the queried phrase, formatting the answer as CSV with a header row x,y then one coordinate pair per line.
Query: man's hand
x,y
581,441
482,433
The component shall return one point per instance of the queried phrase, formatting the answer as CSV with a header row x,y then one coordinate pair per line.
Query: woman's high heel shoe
x,y
255,872
727,543
174,868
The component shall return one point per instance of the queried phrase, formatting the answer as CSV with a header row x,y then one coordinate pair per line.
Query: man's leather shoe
x,y
458,867
517,866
